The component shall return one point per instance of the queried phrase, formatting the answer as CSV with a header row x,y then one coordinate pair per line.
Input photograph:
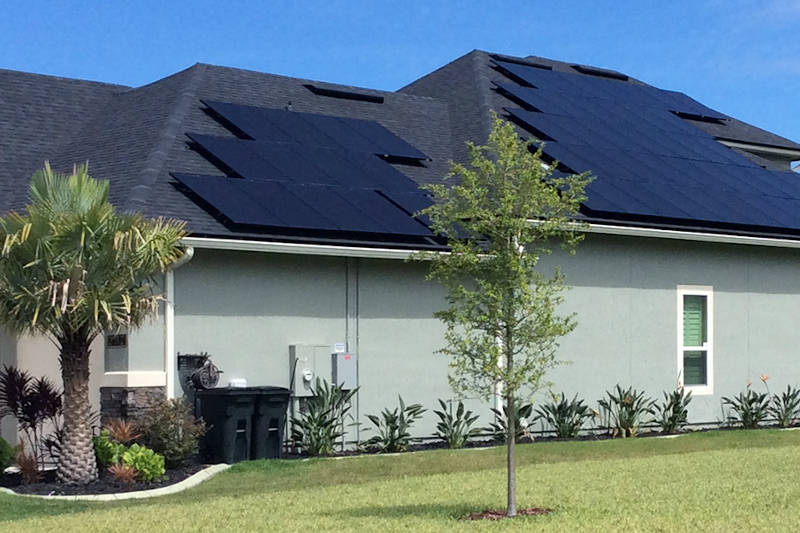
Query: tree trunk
x,y
77,462
511,440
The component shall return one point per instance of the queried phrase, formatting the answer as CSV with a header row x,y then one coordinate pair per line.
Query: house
x,y
299,197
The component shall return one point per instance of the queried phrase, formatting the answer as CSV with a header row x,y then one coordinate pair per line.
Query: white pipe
x,y
169,321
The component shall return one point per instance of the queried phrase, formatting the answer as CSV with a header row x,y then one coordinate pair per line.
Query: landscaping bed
x,y
105,484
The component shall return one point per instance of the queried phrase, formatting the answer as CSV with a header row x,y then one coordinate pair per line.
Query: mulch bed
x,y
499,515
105,484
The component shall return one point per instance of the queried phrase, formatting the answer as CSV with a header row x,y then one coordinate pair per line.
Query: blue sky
x,y
741,57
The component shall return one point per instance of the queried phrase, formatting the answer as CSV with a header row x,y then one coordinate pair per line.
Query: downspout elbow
x,y
188,254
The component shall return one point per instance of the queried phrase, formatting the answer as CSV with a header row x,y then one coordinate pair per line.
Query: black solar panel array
x,y
300,171
341,133
648,162
303,206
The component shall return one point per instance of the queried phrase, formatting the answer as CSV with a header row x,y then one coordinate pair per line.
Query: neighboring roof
x,y
138,137
654,153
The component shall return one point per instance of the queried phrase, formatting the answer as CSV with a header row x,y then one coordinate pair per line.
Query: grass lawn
x,y
717,481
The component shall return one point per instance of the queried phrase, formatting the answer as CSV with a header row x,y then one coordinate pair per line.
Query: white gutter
x,y
393,253
691,236
294,248
169,321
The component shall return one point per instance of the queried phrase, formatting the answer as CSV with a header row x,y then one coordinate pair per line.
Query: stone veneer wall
x,y
127,402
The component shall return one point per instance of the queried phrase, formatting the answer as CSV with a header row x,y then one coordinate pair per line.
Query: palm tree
x,y
73,268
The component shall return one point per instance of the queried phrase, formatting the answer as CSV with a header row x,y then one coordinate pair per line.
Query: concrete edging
x,y
191,481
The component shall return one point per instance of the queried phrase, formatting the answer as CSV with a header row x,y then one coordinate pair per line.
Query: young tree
x,y
72,268
506,210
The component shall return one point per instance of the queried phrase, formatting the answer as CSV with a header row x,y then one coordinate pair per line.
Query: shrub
x,y
624,410
28,465
521,414
122,431
318,428
455,428
393,428
106,450
148,464
750,408
123,473
785,407
564,417
33,402
170,428
6,454
673,414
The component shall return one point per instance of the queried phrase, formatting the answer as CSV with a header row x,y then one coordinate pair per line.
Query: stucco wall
x,y
247,308
8,356
624,291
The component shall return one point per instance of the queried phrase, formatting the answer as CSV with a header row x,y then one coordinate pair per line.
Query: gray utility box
x,y
345,370
307,362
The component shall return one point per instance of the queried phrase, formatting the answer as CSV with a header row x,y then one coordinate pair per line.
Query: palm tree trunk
x,y
77,462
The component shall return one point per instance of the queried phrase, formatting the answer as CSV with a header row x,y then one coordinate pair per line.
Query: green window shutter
x,y
694,368
694,320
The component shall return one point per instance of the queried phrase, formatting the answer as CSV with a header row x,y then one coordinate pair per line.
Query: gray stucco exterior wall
x,y
8,356
246,308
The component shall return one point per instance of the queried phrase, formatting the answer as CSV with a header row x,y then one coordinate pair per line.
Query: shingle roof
x,y
136,137
683,179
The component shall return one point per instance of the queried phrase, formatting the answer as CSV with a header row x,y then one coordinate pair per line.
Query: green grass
x,y
716,481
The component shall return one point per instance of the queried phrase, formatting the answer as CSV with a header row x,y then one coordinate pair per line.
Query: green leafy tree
x,y
72,268
505,210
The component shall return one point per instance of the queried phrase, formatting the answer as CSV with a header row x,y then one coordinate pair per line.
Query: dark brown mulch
x,y
105,484
499,515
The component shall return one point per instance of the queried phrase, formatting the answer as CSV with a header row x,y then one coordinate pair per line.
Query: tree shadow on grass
x,y
426,510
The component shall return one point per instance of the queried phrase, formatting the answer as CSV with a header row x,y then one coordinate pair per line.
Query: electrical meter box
x,y
307,362
345,370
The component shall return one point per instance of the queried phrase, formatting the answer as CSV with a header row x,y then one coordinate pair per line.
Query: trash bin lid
x,y
265,390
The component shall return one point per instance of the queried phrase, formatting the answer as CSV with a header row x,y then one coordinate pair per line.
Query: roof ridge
x,y
62,78
158,156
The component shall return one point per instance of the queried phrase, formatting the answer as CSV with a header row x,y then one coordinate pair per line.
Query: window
x,y
116,350
695,338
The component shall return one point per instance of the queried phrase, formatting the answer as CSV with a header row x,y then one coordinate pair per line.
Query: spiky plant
x,y
72,268
33,403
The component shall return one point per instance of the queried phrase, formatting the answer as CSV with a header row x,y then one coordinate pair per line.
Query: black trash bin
x,y
243,423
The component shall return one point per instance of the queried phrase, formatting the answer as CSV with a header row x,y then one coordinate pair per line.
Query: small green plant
x,y
170,428
6,454
785,407
148,464
321,425
522,413
565,417
673,413
624,410
455,428
106,450
393,428
750,408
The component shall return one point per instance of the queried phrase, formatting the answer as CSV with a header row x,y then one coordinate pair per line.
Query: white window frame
x,y
708,347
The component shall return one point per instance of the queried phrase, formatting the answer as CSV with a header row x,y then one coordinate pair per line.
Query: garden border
x,y
192,481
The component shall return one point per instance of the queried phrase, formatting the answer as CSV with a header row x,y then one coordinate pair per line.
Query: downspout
x,y
169,321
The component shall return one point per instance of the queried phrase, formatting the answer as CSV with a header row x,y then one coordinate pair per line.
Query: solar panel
x,y
280,125
410,202
297,206
303,163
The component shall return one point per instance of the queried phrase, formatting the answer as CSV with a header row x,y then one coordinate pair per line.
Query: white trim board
x,y
137,378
